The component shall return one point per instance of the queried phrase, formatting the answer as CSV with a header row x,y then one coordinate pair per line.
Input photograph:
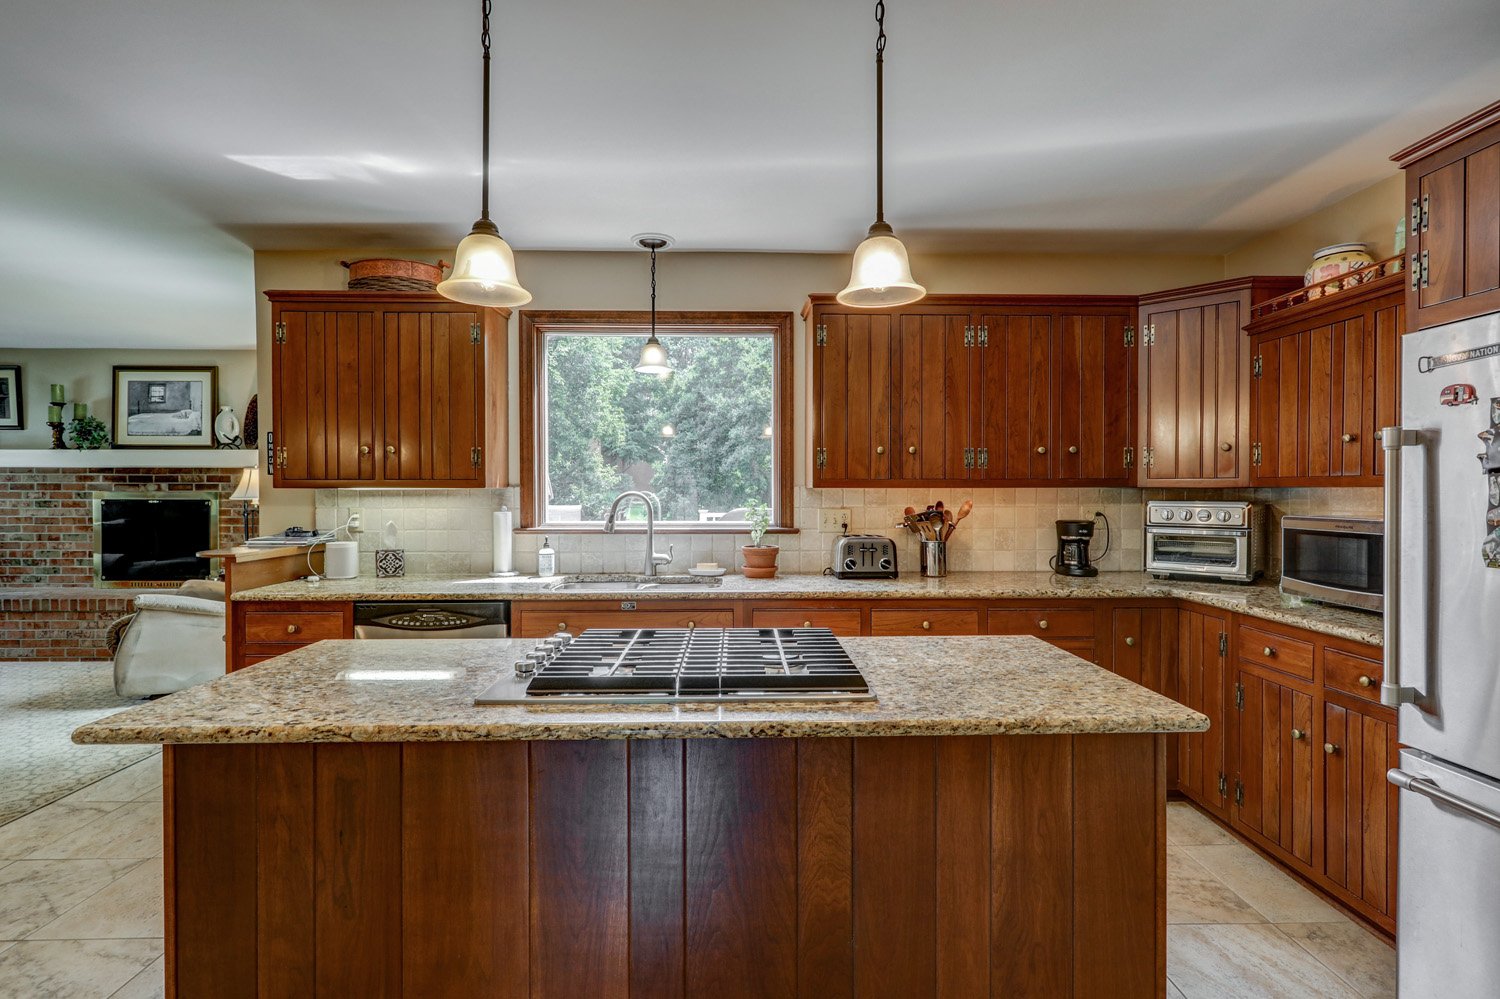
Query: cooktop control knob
x,y
1204,516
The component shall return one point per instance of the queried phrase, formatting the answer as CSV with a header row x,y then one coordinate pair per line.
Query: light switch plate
x,y
833,520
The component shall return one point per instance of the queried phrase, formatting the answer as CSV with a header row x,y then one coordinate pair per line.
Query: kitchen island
x,y
343,820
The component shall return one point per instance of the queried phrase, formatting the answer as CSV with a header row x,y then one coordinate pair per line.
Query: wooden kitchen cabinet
x,y
386,389
924,621
1326,375
1273,782
1359,804
540,618
1453,222
972,389
1202,652
839,620
1145,640
1194,382
262,630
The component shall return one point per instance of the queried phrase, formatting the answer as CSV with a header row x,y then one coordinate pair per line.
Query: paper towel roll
x,y
341,560
503,543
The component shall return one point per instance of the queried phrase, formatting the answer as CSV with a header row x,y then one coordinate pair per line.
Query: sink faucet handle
x,y
657,558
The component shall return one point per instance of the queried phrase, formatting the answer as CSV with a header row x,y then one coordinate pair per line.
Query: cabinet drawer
x,y
296,627
252,654
839,620
1358,676
539,624
1266,648
1083,648
1044,622
924,622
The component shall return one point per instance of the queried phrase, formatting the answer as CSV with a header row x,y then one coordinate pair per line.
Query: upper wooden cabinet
x,y
1453,221
1326,376
1195,381
388,389
984,389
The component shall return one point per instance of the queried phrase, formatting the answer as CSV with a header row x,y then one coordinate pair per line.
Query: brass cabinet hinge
x,y
984,457
278,332
820,457
968,336
1148,456
820,335
1223,785
1129,456
1130,336
1426,210
1239,697
476,333
1223,644
1426,270
1257,367
1239,792
1416,217
1255,453
969,458
1148,335
476,455
984,336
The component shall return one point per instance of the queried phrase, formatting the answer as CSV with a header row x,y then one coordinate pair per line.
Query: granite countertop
x,y
1262,600
423,691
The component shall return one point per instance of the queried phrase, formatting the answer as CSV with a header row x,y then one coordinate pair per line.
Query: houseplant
x,y
760,560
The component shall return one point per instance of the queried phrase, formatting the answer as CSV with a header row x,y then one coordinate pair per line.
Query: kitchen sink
x,y
602,583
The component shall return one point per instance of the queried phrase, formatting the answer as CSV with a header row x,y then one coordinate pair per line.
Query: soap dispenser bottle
x,y
546,559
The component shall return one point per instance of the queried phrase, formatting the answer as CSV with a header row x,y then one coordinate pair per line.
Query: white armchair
x,y
173,641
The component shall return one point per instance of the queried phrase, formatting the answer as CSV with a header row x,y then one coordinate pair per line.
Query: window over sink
x,y
710,440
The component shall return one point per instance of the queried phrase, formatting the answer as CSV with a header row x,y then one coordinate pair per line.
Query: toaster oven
x,y
1194,539
864,556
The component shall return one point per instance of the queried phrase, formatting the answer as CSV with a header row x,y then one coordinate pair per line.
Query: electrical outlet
x,y
355,524
833,520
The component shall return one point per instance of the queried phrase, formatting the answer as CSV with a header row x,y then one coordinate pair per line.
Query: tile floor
x,y
80,908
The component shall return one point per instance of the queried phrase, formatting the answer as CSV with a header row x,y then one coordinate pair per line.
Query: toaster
x,y
864,556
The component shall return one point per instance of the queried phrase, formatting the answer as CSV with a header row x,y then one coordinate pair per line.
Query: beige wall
x,y
1367,216
725,281
88,376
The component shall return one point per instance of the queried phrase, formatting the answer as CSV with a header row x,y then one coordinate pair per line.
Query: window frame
x,y
535,325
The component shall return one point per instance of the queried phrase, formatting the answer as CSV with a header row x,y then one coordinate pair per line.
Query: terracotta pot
x,y
760,562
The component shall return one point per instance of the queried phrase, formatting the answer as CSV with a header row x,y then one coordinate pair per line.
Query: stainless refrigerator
x,y
1442,647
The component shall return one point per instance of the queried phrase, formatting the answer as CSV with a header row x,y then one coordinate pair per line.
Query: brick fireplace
x,y
49,608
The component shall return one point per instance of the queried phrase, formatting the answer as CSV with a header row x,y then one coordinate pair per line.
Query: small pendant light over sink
x,y
881,276
484,268
654,359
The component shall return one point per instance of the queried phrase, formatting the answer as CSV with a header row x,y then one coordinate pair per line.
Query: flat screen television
x,y
153,539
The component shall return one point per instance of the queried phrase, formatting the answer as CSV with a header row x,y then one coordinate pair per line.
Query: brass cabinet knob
x,y
692,624
1042,624
807,624
1297,733
912,449
1330,748
562,626
1268,652
1366,681
390,449
1073,449
880,449
1349,438
364,449
926,625
1130,641
292,629
1041,449
1226,447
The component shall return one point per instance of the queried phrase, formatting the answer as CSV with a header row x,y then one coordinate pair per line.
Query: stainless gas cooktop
x,y
682,666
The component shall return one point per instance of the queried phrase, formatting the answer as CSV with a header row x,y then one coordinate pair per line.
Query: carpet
x,y
41,703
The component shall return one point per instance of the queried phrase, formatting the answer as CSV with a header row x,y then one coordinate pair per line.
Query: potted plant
x,y
760,560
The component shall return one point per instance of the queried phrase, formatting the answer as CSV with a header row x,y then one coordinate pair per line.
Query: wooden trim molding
x,y
1449,134
537,323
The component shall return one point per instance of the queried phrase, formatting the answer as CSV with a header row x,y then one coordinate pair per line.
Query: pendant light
x,y
881,275
653,359
484,268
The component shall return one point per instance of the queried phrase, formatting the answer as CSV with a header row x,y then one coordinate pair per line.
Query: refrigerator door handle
x,y
1392,440
1429,788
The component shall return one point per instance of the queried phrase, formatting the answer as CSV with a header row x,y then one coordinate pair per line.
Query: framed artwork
x,y
169,406
12,405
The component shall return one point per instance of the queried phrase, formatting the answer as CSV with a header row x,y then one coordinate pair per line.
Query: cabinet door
x,y
324,367
1202,648
1194,372
1013,393
1094,404
1359,804
853,408
433,425
1274,781
1442,236
1455,245
931,377
1278,449
1143,645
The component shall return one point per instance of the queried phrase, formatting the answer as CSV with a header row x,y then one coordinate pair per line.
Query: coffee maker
x,y
1073,538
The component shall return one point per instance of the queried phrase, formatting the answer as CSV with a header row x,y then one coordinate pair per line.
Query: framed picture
x,y
12,405
166,406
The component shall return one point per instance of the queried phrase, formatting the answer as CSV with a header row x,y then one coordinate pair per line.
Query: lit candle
x,y
54,412
80,410
57,395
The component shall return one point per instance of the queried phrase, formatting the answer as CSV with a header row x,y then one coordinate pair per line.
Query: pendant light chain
x,y
653,292
487,7
880,113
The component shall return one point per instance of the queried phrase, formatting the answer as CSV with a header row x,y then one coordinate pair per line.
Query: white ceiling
x,y
139,132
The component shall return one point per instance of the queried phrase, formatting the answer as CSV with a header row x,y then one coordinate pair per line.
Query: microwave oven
x,y
1334,560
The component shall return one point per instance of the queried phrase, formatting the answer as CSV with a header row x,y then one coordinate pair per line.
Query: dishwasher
x,y
432,619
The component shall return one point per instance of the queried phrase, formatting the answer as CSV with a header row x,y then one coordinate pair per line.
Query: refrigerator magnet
x,y
1458,395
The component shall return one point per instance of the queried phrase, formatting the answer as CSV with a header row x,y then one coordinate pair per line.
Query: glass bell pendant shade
x,y
881,276
484,271
653,358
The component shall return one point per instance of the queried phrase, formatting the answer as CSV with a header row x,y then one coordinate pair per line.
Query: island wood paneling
x,y
897,866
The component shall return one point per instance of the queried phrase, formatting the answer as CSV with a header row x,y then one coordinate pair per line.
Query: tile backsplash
x,y
449,530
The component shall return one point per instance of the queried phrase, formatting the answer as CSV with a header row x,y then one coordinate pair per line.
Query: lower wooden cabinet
x,y
1202,653
1144,638
1273,782
263,630
543,618
924,621
839,620
1359,804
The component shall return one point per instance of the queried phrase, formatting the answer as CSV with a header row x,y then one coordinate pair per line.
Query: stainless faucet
x,y
654,558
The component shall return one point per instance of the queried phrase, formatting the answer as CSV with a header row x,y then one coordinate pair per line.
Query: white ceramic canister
x,y
1336,260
